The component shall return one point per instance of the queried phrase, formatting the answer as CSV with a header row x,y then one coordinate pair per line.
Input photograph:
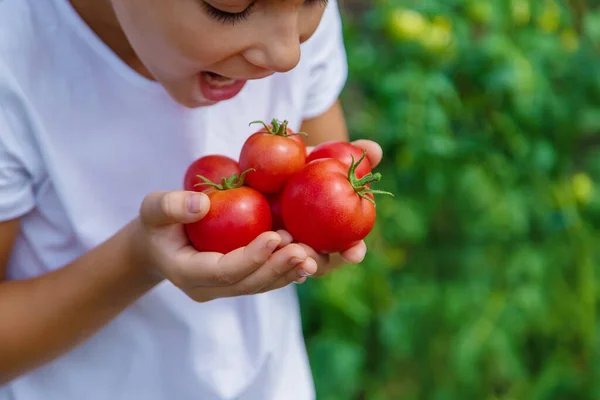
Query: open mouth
x,y
218,80
217,87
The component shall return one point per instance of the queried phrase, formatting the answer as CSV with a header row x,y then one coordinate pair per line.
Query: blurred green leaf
x,y
481,279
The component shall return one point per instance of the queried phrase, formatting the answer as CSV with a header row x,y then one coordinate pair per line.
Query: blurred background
x,y
481,277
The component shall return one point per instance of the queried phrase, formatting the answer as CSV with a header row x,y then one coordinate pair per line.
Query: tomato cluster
x,y
323,199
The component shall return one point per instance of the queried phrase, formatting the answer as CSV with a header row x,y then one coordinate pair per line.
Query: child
x,y
103,105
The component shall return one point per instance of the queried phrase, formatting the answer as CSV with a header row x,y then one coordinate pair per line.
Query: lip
x,y
266,74
215,94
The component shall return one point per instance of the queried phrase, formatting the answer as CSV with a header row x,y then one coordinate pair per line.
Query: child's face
x,y
203,51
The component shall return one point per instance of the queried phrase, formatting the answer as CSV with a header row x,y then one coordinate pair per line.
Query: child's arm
x,y
43,317
40,318
331,125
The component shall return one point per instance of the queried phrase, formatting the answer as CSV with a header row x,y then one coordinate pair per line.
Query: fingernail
x,y
300,281
303,274
194,203
272,245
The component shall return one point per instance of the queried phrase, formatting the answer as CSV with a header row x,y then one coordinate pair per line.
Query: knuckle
x,y
253,258
279,269
146,205
166,204
296,250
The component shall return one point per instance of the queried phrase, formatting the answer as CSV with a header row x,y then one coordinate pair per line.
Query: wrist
x,y
137,256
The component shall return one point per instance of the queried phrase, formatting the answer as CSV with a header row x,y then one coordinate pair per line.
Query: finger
x,y
164,208
374,150
195,269
282,262
321,259
286,238
297,275
356,254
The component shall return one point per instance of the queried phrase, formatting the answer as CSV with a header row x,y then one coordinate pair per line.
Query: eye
x,y
232,18
226,17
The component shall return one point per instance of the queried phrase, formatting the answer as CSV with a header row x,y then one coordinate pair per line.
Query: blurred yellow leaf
x,y
480,11
439,35
569,40
583,187
521,12
549,19
406,24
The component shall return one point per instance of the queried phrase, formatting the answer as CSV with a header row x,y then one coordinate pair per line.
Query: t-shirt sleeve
x,y
16,184
328,67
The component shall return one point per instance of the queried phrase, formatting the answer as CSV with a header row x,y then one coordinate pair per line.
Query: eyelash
x,y
233,18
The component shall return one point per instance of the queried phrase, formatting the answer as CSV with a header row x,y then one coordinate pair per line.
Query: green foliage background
x,y
481,277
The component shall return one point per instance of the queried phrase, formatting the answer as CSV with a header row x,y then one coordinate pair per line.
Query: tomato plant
x,y
275,153
214,167
327,207
342,151
237,215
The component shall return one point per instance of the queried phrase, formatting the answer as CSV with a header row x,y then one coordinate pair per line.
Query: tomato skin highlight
x,y
214,167
236,217
274,156
342,151
321,208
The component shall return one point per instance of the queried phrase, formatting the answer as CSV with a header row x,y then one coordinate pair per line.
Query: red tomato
x,y
237,215
213,167
342,151
275,126
326,207
275,203
274,155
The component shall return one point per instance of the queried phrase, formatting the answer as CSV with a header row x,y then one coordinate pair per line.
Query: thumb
x,y
165,208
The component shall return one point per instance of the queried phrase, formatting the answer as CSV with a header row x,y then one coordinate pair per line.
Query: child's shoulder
x,y
25,29
25,25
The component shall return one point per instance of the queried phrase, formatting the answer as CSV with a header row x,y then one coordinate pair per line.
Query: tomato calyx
x,y
278,128
361,186
233,182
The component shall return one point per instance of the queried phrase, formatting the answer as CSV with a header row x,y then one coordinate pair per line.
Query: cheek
x,y
309,21
172,42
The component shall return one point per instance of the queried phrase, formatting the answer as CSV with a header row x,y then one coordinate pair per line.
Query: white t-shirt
x,y
83,138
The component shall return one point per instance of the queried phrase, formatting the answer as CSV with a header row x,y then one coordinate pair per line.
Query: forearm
x,y
329,126
42,318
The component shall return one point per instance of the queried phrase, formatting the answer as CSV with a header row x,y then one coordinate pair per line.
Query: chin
x,y
194,103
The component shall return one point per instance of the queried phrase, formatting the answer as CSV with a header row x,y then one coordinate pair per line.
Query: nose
x,y
277,47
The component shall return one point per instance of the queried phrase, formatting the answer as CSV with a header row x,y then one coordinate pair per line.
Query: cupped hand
x,y
269,262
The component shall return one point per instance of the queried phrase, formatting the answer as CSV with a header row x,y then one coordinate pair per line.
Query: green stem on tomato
x,y
278,128
360,185
232,182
